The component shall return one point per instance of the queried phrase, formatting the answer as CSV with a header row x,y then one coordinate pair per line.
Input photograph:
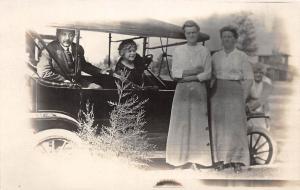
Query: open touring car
x,y
55,106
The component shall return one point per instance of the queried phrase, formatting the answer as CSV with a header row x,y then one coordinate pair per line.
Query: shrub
x,y
125,137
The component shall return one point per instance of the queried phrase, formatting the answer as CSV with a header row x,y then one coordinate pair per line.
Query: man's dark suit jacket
x,y
48,69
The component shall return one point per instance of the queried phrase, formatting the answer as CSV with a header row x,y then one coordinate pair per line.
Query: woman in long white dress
x,y
233,74
188,140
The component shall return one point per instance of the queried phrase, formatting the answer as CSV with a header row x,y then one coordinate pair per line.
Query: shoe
x,y
194,167
184,166
237,168
220,166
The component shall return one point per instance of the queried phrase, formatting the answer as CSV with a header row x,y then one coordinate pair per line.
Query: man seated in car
x,y
57,62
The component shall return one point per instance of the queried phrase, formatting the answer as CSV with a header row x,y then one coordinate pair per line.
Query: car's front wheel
x,y
54,141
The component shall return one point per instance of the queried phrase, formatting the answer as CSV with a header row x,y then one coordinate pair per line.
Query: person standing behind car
x,y
63,51
233,74
257,100
188,143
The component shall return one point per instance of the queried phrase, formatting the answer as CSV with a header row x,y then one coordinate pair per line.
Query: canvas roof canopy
x,y
143,28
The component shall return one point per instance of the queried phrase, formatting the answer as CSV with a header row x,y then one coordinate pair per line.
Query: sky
x,y
269,30
270,20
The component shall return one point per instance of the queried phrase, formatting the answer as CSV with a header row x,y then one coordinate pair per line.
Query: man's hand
x,y
107,71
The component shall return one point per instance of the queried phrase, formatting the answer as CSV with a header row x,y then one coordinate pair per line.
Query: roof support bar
x,y
109,48
144,46
76,72
168,45
135,38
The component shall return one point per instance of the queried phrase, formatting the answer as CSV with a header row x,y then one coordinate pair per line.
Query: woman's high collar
x,y
229,52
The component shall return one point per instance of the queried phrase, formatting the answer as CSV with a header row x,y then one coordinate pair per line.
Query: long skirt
x,y
228,119
188,136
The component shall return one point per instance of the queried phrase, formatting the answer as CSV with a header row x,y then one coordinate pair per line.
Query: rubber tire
x,y
267,135
57,133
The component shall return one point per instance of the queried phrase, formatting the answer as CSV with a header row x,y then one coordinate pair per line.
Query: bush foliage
x,y
125,137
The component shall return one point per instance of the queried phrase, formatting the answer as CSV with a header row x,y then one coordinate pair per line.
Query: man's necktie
x,y
69,58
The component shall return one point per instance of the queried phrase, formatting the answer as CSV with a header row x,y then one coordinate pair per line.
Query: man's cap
x,y
58,30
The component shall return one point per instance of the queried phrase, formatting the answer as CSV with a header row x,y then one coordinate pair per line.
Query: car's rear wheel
x,y
262,147
53,141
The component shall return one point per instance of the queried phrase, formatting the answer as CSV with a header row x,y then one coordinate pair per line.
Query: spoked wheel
x,y
54,141
261,146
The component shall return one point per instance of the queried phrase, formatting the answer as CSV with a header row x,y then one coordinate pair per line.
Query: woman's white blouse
x,y
188,57
232,66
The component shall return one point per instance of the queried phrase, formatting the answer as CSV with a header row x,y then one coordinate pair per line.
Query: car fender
x,y
53,120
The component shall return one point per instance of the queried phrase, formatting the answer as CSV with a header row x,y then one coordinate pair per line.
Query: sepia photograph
x,y
150,95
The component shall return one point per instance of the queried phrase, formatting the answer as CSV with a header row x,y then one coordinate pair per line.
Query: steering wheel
x,y
147,60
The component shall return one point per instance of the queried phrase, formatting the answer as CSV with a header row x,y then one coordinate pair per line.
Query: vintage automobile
x,y
55,106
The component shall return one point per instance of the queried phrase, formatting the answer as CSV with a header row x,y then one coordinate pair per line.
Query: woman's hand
x,y
189,79
199,69
212,82
193,71
177,79
253,105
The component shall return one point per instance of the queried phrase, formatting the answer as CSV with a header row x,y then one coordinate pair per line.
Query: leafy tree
x,y
246,31
161,66
104,64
